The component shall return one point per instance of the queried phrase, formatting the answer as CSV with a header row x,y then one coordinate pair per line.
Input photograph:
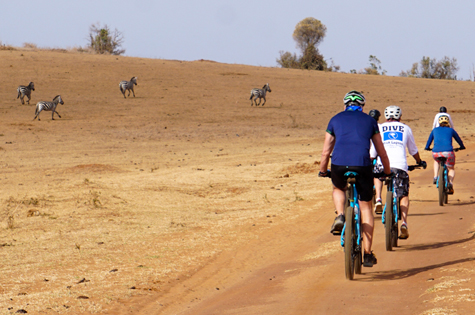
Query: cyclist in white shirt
x,y
442,112
396,138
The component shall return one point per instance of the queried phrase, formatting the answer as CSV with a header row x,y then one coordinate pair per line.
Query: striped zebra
x,y
25,91
260,94
48,106
128,85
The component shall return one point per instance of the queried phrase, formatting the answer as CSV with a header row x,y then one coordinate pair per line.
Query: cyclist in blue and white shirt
x,y
396,138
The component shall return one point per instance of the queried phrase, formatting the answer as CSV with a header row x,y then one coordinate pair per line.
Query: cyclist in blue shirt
x,y
442,137
349,135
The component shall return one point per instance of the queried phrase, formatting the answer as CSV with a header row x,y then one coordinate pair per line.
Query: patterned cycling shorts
x,y
378,168
401,182
447,154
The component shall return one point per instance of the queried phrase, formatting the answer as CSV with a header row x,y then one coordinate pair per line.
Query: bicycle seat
x,y
441,159
351,176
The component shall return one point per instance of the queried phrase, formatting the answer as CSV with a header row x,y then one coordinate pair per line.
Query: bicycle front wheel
x,y
442,192
389,221
349,243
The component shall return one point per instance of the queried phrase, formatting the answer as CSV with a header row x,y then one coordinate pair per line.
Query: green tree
x,y
308,34
430,68
103,40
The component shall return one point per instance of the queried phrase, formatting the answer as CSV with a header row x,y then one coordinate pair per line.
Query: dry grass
x,y
122,197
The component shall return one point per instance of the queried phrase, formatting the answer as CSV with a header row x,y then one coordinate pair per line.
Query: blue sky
x,y
398,33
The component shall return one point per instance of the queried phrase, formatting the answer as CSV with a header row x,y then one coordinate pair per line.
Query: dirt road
x,y
299,269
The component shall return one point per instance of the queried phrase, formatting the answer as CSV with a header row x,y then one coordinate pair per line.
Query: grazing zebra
x,y
25,91
260,94
128,85
49,106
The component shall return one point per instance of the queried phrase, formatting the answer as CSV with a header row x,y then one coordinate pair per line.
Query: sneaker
x,y
434,181
378,207
369,260
404,232
450,189
338,224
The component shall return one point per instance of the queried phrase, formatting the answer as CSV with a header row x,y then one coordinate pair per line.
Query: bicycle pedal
x,y
336,233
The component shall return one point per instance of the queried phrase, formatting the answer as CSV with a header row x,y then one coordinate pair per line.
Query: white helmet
x,y
392,112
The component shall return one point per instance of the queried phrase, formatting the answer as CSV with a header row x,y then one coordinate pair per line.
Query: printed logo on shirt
x,y
392,135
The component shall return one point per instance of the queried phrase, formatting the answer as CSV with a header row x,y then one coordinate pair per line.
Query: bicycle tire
x,y
442,191
395,227
389,219
358,261
349,243
348,196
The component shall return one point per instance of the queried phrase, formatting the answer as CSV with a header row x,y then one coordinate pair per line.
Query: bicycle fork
x,y
383,216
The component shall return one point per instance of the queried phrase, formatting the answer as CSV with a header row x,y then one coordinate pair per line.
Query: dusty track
x,y
187,200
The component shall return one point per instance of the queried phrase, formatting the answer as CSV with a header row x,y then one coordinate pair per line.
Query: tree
x,y
374,66
103,41
430,68
308,34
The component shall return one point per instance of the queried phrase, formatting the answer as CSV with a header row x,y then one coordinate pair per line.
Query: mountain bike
x,y
442,180
392,210
351,238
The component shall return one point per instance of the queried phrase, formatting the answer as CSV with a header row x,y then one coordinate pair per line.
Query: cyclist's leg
x,y
364,186
404,204
451,175
339,199
367,225
451,167
436,168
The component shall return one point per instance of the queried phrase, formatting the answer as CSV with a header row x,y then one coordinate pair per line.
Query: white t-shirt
x,y
436,120
396,138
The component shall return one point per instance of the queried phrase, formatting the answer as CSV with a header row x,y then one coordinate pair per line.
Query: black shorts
x,y
364,182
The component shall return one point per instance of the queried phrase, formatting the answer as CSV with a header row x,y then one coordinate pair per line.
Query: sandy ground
x,y
188,200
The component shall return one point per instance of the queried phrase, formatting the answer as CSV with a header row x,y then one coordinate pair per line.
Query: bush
x,y
430,68
103,41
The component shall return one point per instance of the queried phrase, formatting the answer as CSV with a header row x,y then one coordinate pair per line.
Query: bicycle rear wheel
x,y
389,220
442,192
349,243
395,227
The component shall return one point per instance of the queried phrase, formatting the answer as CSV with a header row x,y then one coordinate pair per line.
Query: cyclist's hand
x,y
462,148
325,174
423,164
428,149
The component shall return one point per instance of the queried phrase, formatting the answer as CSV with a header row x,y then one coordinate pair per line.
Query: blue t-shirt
x,y
442,137
353,131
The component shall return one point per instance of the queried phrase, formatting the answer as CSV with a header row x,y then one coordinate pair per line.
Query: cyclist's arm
x,y
328,145
458,139
435,124
429,141
379,146
417,158
451,122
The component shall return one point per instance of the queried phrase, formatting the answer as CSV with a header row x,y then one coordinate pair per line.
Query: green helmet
x,y
354,98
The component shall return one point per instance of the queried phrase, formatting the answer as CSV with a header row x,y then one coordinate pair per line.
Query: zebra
x,y
259,94
25,91
49,106
128,85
